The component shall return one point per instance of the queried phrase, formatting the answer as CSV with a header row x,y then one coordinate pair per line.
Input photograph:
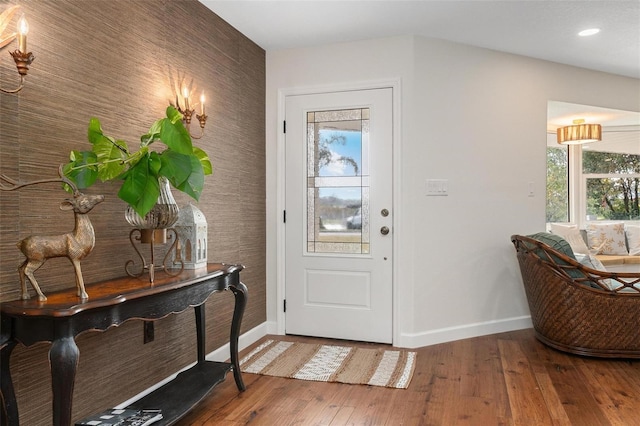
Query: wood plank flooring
x,y
501,379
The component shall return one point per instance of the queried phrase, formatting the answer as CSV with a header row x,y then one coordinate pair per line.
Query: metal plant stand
x,y
153,237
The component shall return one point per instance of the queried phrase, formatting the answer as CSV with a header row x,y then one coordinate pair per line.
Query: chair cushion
x,y
591,261
561,245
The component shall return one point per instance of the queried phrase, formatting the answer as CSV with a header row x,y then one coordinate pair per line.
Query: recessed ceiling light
x,y
589,32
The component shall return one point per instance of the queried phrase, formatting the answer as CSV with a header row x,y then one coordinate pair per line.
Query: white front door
x,y
338,196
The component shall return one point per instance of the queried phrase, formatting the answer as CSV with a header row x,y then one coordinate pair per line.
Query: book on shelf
x,y
144,418
122,417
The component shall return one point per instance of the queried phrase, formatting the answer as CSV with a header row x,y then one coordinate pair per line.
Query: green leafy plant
x,y
183,164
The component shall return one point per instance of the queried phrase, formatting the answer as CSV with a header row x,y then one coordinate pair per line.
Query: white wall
x,y
477,118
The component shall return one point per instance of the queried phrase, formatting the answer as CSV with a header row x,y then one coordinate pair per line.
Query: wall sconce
x,y
21,57
579,133
187,111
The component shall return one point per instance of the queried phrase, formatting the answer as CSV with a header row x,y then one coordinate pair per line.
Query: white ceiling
x,y
543,29
561,114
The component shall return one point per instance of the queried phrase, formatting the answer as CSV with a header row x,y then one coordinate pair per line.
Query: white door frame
x,y
395,85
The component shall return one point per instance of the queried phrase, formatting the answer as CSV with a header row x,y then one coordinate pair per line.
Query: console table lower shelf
x,y
182,394
64,316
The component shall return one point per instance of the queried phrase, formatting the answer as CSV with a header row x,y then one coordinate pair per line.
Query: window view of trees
x,y
557,185
327,155
596,181
612,185
615,196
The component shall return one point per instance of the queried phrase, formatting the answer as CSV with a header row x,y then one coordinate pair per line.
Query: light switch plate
x,y
437,187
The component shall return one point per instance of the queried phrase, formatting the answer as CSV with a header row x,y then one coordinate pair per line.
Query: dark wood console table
x,y
64,316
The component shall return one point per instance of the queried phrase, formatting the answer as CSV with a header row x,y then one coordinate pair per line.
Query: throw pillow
x,y
556,242
607,238
571,233
633,239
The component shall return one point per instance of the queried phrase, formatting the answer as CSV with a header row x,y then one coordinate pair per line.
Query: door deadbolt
x,y
384,212
384,230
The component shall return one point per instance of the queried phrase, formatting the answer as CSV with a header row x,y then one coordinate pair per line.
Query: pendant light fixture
x,y
579,133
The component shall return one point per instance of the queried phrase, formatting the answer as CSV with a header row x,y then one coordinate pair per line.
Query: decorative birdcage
x,y
192,237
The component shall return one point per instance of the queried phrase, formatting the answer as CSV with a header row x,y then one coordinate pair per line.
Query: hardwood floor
x,y
501,379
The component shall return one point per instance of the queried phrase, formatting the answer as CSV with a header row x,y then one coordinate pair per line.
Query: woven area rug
x,y
329,363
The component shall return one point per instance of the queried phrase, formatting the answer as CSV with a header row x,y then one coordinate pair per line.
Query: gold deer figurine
x,y
74,245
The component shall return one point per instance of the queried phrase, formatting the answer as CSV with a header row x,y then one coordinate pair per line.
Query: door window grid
x,y
338,181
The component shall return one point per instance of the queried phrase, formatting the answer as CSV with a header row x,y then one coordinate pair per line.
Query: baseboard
x,y
272,327
449,334
221,354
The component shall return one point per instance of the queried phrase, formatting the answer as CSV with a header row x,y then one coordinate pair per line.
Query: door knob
x,y
384,230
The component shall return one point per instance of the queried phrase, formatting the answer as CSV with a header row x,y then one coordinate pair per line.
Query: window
x,y
557,184
597,181
611,180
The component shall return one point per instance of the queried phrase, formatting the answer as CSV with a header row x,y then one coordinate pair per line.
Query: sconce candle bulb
x,y
185,95
202,103
23,29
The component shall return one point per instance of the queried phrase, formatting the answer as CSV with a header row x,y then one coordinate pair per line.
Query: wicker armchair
x,y
573,308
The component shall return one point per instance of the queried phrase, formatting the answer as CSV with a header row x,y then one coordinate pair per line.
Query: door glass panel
x,y
338,181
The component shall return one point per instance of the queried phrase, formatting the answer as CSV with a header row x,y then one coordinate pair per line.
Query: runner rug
x,y
329,363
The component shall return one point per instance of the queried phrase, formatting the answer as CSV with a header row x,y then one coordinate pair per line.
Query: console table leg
x,y
9,412
240,292
200,331
63,356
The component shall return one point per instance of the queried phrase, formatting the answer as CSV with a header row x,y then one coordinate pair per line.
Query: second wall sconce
x,y
187,112
21,57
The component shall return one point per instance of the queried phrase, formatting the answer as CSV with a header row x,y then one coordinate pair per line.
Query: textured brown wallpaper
x,y
116,60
